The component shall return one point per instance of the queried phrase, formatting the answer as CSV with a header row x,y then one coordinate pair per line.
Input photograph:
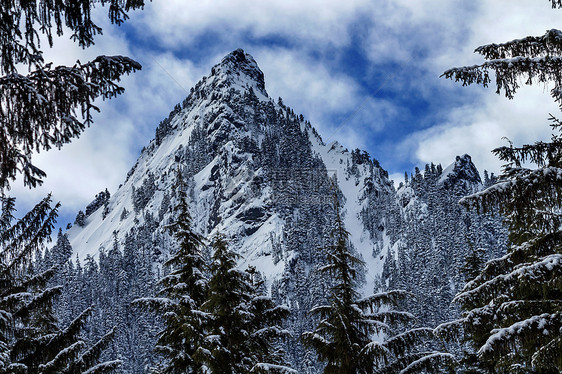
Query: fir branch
x,y
429,362
508,71
549,44
39,110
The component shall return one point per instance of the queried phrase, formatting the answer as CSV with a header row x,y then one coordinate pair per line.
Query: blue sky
x,y
365,73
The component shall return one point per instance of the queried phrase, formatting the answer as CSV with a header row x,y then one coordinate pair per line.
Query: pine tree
x,y
80,219
474,262
242,325
221,349
265,331
344,336
344,333
137,331
30,338
533,59
512,308
59,258
124,214
39,109
182,292
513,312
25,306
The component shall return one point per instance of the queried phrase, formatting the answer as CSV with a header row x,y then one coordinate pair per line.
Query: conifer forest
x,y
241,241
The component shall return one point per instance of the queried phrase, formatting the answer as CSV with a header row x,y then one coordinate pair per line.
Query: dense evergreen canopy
x,y
513,312
31,340
360,335
513,308
243,325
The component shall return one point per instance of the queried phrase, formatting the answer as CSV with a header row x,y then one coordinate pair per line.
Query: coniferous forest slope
x,y
261,176
240,242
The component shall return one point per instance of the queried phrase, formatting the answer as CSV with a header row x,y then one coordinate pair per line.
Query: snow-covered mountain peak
x,y
218,106
261,176
462,171
237,70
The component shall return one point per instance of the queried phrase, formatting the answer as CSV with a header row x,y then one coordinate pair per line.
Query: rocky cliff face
x,y
261,175
255,171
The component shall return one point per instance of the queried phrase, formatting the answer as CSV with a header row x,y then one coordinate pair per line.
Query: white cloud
x,y
335,103
307,86
290,73
496,22
104,153
176,23
429,36
99,159
449,31
479,127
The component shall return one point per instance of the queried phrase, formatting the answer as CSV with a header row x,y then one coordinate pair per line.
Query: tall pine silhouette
x,y
243,324
512,308
345,336
181,294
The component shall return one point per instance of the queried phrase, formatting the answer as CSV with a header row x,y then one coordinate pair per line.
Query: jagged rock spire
x,y
240,68
462,171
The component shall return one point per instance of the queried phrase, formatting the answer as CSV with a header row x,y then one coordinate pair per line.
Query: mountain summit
x,y
462,171
260,175
241,68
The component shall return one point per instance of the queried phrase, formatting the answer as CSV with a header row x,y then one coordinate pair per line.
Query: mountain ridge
x,y
261,175
237,72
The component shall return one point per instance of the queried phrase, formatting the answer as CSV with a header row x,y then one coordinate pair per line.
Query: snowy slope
x,y
235,146
234,76
261,176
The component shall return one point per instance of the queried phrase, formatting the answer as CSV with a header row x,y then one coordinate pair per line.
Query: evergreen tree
x,y
59,258
182,292
138,329
30,338
513,312
344,333
124,214
535,59
474,263
512,308
39,109
80,219
242,325
265,331
24,320
344,336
